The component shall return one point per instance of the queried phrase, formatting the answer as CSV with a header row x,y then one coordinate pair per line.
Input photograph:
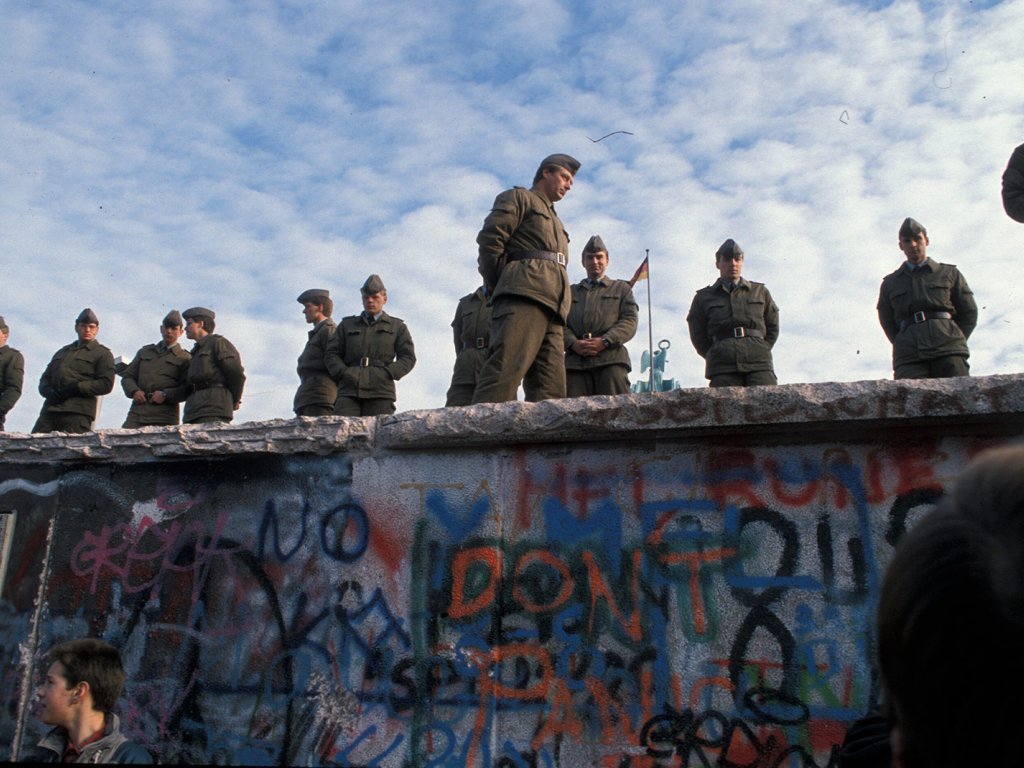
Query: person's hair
x,y
540,171
208,323
327,305
951,622
94,661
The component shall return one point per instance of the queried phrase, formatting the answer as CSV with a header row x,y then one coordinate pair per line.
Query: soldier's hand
x,y
138,396
158,397
68,390
238,405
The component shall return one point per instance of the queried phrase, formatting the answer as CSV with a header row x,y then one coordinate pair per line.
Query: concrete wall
x,y
677,579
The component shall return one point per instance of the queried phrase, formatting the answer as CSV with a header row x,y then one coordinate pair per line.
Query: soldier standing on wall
x,y
472,330
734,324
12,373
215,373
369,353
77,376
156,379
317,391
602,319
927,311
522,259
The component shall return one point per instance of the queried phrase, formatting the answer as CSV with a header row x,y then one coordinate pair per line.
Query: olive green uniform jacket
x,y
87,369
316,387
12,378
715,314
157,367
471,329
607,311
366,359
216,378
932,287
525,220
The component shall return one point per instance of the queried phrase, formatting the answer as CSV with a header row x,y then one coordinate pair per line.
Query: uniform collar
x,y
926,264
604,281
741,283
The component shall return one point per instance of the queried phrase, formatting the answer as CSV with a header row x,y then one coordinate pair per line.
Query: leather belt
x,y
922,317
201,387
365,362
546,255
479,343
739,333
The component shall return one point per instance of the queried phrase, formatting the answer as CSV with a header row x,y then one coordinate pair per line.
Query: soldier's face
x,y
313,313
915,247
170,334
595,264
3,337
87,331
730,267
374,302
555,183
194,329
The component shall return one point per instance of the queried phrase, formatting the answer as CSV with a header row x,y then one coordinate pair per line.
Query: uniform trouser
x,y
363,406
75,423
528,346
937,368
604,380
459,394
751,379
134,422
314,410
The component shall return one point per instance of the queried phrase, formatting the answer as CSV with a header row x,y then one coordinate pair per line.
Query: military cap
x,y
729,248
173,319
595,244
912,228
197,312
87,316
3,324
373,285
314,296
570,163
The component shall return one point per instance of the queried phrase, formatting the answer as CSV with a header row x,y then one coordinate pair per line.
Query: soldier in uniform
x,y
369,353
215,373
734,324
156,380
1013,185
522,259
472,329
77,376
317,391
12,373
927,311
602,319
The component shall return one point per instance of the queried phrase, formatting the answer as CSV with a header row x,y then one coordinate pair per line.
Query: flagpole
x,y
650,326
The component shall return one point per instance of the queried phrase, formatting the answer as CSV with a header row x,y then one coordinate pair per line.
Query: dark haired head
x,y
94,661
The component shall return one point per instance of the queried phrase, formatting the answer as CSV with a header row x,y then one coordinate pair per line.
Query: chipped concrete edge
x,y
965,404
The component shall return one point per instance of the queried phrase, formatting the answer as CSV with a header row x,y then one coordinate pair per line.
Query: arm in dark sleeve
x,y
624,328
130,377
698,325
771,319
457,328
505,217
1013,185
102,380
14,380
46,388
181,389
405,354
966,308
886,316
334,359
231,366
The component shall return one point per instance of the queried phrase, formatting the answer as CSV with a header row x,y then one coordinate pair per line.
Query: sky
x,y
230,155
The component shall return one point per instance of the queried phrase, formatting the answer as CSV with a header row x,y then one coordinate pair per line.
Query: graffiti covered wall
x,y
653,598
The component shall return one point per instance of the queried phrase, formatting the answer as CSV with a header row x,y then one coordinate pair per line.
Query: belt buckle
x,y
920,317
588,335
481,342
739,333
560,258
364,362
